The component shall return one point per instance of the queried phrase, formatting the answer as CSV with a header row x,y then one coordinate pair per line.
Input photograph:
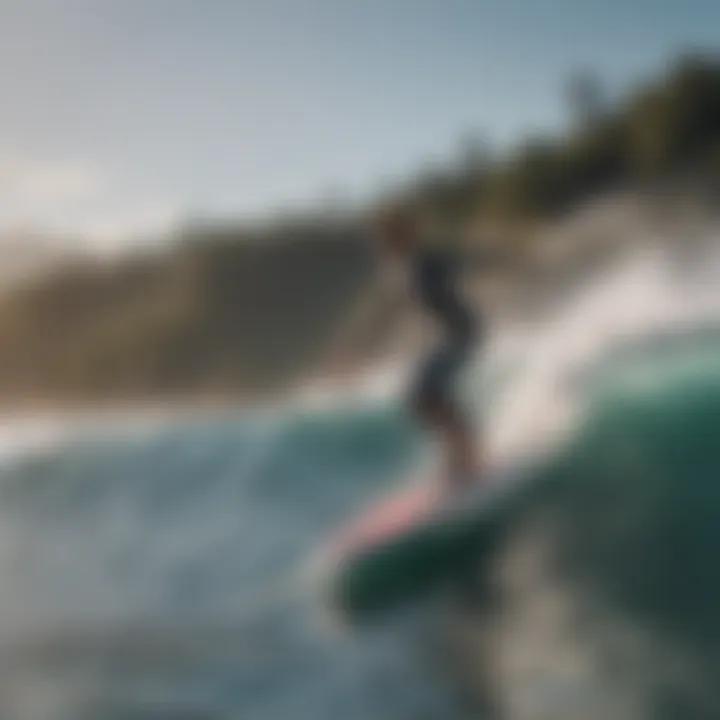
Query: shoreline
x,y
375,380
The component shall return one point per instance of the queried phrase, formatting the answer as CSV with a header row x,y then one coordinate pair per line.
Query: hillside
x,y
229,313
665,128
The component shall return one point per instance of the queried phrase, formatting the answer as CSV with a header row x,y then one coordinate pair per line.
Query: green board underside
x,y
370,583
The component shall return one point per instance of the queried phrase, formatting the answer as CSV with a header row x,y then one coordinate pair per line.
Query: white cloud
x,y
32,183
111,231
76,201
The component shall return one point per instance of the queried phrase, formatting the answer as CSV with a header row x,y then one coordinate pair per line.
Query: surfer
x,y
434,277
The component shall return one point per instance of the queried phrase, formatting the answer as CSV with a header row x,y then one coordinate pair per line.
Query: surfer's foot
x,y
459,483
465,476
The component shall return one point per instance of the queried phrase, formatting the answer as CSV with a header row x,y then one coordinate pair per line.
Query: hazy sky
x,y
123,114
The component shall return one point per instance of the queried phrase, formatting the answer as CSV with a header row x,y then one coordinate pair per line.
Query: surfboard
x,y
412,542
388,518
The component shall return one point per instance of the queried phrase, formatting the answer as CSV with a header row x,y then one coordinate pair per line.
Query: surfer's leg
x,y
435,407
462,455
455,429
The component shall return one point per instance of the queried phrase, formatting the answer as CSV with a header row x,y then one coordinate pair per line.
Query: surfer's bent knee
x,y
432,399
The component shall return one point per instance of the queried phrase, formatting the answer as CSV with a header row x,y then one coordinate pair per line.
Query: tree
x,y
586,99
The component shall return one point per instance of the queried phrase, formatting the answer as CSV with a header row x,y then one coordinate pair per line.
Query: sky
x,y
121,117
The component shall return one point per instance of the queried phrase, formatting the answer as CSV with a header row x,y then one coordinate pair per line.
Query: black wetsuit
x,y
436,279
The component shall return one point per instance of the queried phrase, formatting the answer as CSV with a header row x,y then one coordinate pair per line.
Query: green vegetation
x,y
667,127
233,310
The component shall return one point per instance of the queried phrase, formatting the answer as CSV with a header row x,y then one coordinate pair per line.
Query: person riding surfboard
x,y
434,268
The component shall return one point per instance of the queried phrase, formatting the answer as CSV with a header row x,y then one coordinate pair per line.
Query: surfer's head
x,y
397,229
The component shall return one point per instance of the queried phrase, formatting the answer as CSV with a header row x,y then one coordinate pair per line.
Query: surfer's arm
x,y
383,298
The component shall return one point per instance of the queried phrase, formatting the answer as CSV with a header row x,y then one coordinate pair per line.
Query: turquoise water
x,y
160,574
609,580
